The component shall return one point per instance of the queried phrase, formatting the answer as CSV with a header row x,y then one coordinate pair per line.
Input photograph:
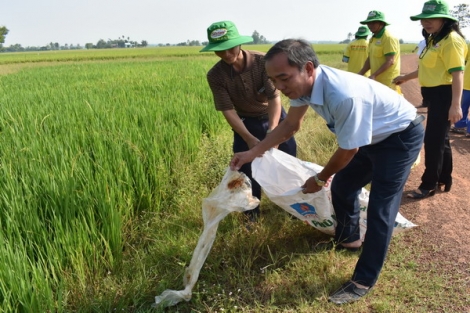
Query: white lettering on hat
x,y
429,7
218,33
372,14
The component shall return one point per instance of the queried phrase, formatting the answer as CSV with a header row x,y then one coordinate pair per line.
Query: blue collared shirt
x,y
360,111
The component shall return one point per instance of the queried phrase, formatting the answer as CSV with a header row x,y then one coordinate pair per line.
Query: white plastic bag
x,y
233,194
281,175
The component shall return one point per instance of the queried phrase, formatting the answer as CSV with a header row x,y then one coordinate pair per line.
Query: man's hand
x,y
252,142
241,158
310,186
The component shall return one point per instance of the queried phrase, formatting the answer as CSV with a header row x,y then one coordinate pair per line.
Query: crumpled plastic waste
x,y
233,194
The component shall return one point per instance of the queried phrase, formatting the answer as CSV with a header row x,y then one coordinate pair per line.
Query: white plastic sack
x,y
281,175
233,194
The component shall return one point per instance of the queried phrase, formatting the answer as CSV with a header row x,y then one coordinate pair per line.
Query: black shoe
x,y
331,245
446,186
423,193
347,293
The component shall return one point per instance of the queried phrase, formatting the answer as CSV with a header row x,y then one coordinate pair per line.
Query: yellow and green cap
x,y
434,9
223,36
374,16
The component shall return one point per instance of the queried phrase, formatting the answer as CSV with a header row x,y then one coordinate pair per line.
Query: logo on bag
x,y
305,209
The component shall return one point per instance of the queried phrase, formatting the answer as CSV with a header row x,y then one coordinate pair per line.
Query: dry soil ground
x,y
444,219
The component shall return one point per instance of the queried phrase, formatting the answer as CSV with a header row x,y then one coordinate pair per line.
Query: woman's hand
x,y
455,114
399,80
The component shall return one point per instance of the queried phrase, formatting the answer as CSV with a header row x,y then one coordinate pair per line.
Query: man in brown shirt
x,y
243,93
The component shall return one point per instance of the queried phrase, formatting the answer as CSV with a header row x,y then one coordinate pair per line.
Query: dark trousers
x,y
386,165
437,150
258,127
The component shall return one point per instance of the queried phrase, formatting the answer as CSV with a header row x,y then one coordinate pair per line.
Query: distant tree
x,y
101,44
350,36
144,43
462,14
13,48
401,41
3,34
258,39
89,45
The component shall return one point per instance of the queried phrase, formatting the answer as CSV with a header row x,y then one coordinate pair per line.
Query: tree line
x,y
121,42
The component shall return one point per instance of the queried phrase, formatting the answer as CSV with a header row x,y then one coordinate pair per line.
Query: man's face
x,y
229,56
292,82
375,26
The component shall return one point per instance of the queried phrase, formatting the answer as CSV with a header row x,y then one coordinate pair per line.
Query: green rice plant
x,y
85,147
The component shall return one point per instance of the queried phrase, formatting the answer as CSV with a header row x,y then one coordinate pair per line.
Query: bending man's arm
x,y
286,129
274,112
237,125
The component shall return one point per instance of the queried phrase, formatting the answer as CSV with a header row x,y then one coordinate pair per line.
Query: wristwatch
x,y
319,182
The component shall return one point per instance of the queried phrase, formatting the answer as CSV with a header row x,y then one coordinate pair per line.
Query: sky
x,y
39,22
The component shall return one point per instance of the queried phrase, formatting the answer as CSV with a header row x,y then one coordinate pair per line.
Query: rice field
x,y
86,146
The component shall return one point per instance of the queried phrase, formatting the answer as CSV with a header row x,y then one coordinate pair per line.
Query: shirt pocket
x,y
260,95
378,51
430,58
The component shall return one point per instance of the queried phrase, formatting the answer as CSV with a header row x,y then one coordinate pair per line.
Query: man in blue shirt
x,y
379,137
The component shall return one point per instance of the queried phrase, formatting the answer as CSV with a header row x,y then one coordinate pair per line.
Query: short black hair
x,y
298,52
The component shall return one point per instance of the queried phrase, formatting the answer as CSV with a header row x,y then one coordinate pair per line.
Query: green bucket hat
x,y
434,9
362,31
375,16
223,36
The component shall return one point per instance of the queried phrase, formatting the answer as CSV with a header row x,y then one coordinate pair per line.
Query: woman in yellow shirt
x,y
440,74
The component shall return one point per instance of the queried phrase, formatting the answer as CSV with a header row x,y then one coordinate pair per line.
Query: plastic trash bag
x,y
281,175
233,194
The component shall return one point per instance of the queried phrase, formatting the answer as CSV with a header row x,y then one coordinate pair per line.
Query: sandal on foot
x,y
348,293
421,193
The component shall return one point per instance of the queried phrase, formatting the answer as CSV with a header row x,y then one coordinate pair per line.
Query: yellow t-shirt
x,y
466,75
382,45
356,53
438,61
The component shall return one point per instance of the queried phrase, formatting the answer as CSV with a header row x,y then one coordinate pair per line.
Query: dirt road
x,y
444,219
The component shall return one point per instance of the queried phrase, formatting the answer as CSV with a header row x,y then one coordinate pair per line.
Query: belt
x,y
415,122
260,117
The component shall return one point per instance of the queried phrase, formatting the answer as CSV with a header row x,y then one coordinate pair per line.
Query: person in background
x,y
243,93
357,51
384,52
379,137
440,74
463,126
